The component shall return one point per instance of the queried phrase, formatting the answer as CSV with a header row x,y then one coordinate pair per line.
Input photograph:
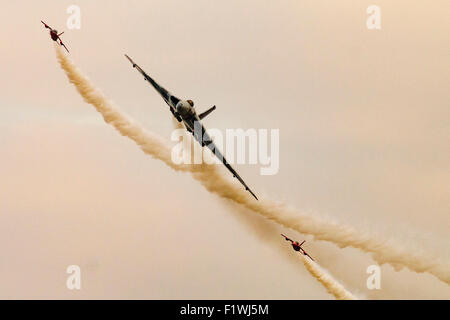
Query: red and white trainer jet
x,y
54,35
298,246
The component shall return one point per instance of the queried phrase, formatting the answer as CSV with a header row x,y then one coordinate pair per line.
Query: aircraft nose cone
x,y
181,108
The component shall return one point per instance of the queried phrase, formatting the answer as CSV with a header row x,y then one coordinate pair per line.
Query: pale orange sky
x,y
364,134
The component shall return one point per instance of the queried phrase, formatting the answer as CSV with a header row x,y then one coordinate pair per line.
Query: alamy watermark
x,y
373,282
74,20
74,279
373,21
249,146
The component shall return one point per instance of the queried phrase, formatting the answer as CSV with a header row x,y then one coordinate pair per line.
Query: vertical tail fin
x,y
204,114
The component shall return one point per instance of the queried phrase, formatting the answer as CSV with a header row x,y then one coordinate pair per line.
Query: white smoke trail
x,y
269,234
214,181
332,286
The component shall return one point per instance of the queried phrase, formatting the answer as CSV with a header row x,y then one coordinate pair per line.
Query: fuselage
x,y
54,34
185,109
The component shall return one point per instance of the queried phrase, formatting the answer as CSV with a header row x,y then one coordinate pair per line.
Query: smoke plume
x,y
332,286
383,251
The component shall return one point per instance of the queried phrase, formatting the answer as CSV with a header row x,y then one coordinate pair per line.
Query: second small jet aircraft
x,y
54,35
183,111
298,246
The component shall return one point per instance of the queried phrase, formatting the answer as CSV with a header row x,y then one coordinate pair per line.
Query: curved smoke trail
x,y
214,181
332,286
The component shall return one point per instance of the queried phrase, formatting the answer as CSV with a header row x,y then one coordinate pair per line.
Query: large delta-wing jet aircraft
x,y
183,111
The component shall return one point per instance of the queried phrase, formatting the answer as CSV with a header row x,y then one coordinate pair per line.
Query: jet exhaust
x,y
382,250
332,286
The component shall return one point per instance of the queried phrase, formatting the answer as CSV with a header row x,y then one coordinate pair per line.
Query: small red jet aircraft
x,y
54,35
298,246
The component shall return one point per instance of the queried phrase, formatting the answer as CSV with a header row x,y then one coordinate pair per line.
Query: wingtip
x,y
253,194
131,61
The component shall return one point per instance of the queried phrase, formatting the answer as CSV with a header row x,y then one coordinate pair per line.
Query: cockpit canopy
x,y
190,102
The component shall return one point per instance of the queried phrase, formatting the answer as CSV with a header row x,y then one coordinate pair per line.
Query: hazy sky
x,y
364,120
